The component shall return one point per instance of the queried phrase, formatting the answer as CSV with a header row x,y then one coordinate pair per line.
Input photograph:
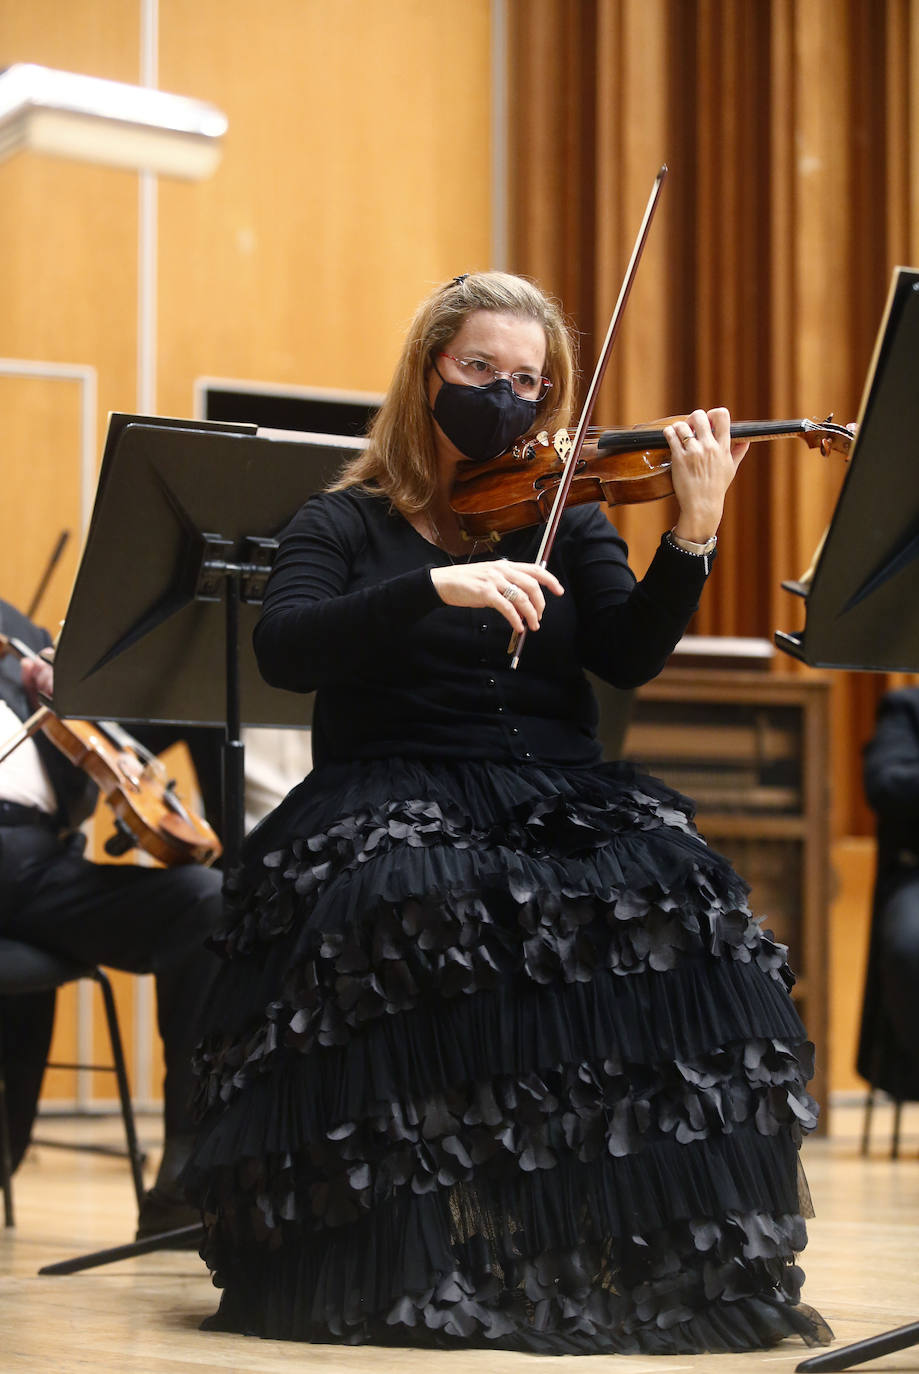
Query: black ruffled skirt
x,y
499,1057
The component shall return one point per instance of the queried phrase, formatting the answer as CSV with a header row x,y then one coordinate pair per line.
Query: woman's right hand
x,y
514,589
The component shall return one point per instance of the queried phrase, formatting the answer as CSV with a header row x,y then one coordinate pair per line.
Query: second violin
x,y
148,811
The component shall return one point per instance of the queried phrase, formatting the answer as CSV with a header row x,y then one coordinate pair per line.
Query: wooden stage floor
x,y
142,1314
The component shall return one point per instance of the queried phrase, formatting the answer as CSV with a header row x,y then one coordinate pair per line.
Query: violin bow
x,y
571,461
26,731
46,575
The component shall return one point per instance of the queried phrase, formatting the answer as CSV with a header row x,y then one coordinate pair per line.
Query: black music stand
x,y
862,598
159,626
862,602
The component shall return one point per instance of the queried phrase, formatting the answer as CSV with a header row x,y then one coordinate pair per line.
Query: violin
x,y
618,466
148,810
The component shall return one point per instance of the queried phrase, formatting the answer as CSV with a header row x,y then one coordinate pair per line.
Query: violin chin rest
x,y
120,841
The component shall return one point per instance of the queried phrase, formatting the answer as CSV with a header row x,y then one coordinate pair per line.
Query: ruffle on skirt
x,y
499,1056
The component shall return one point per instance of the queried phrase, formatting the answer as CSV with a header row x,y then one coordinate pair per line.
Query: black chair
x,y
23,969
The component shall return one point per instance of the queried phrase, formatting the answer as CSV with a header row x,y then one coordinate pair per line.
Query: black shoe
x,y
161,1211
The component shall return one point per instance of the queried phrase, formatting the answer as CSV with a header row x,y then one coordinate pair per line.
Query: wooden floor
x,y
142,1314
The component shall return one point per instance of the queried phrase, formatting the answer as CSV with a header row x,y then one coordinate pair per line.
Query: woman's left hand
x,y
704,463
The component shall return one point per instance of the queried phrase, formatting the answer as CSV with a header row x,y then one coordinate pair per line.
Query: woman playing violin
x,y
500,1056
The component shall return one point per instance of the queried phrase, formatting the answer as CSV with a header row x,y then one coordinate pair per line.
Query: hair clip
x,y
458,281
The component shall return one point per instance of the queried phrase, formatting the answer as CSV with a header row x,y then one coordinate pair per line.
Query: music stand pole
x,y
234,750
870,1349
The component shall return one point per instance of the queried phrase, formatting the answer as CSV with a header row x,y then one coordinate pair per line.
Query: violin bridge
x,y
563,443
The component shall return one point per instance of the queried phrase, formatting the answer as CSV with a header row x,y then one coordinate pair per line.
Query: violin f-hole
x,y
551,478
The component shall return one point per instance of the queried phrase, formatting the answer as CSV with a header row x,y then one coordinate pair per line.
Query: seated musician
x,y
889,1050
145,920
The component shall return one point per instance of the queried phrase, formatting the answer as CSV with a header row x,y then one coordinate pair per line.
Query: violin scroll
x,y
827,437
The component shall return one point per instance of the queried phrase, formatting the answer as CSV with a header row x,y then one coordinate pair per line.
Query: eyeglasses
x,y
477,372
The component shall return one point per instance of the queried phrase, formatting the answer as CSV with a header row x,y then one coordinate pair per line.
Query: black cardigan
x,y
350,610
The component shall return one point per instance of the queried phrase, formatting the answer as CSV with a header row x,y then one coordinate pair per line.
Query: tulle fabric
x,y
500,1057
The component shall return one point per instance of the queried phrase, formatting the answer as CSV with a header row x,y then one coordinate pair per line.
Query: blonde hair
x,y
400,460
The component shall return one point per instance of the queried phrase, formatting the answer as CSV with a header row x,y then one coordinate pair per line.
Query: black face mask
x,y
482,421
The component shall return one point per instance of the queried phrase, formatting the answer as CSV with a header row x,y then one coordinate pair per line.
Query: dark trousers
x,y
143,920
899,962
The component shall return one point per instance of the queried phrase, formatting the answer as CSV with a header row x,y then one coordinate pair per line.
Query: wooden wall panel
x,y
43,419
355,177
853,861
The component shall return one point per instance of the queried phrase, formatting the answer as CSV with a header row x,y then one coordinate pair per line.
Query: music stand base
x,y
164,1241
860,1351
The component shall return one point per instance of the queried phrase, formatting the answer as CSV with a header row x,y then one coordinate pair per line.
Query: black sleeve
x,y
628,629
891,759
312,631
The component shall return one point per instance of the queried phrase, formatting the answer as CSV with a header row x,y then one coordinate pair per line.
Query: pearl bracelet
x,y
703,551
688,546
